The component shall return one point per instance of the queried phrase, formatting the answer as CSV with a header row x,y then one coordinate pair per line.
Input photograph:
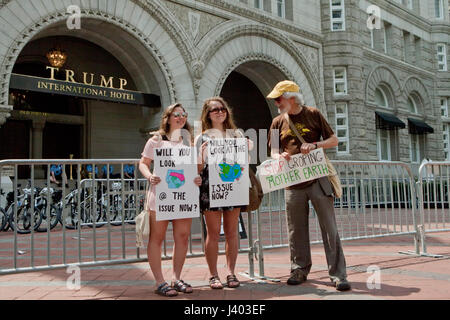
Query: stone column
x,y
396,42
5,113
37,138
428,55
411,55
37,142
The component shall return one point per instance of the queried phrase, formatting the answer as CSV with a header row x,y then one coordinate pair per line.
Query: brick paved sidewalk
x,y
402,276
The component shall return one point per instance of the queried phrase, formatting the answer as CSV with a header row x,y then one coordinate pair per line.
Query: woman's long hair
x,y
164,127
206,121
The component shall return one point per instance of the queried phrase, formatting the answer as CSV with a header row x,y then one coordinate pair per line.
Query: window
x,y
380,98
372,40
258,4
418,50
442,57
340,81
405,45
281,8
337,14
411,105
445,127
439,9
342,128
386,31
384,145
408,3
414,148
446,136
444,107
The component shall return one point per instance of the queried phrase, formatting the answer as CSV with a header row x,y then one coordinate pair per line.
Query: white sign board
x,y
177,196
228,172
6,186
279,174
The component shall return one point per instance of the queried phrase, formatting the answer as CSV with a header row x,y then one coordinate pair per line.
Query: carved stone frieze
x,y
196,23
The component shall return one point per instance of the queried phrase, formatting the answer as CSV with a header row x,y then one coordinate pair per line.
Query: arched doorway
x,y
250,108
55,125
245,89
112,52
141,55
63,124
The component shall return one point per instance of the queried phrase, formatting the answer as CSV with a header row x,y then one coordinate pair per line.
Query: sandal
x,y
164,289
215,283
232,278
182,286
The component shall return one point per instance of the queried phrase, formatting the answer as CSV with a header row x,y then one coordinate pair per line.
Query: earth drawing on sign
x,y
230,173
175,179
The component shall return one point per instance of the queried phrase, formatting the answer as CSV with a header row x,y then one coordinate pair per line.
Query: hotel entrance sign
x,y
88,80
105,91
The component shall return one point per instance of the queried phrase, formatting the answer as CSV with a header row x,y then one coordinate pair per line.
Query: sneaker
x,y
297,277
342,285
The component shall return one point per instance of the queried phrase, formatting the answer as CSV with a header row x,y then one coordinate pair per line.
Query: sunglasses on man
x,y
180,114
217,110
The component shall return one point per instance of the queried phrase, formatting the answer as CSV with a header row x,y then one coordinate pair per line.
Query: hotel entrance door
x,y
62,140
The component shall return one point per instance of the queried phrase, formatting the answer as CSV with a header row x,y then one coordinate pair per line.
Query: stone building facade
x,y
392,75
186,51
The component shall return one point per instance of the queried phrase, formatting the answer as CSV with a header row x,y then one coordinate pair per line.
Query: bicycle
x,y
23,220
53,209
2,213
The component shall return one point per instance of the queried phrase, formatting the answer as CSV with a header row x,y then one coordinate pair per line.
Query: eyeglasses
x,y
180,114
217,110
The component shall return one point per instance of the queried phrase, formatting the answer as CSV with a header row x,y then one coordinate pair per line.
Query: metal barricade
x,y
433,193
96,218
378,200
97,214
119,193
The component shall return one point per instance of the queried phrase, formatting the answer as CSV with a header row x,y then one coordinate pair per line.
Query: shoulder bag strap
x,y
147,196
293,128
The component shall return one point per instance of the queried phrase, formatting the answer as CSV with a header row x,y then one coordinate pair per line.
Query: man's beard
x,y
284,110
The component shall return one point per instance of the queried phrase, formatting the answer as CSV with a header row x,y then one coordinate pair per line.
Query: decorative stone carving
x,y
247,58
414,84
197,68
257,15
5,113
311,54
197,23
194,23
382,74
159,11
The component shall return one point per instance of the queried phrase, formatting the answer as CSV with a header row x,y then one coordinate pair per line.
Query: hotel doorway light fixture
x,y
57,57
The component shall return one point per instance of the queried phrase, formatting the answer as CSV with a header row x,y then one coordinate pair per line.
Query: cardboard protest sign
x,y
228,172
279,174
177,196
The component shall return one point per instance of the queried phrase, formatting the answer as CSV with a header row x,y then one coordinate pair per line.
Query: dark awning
x,y
387,121
419,127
